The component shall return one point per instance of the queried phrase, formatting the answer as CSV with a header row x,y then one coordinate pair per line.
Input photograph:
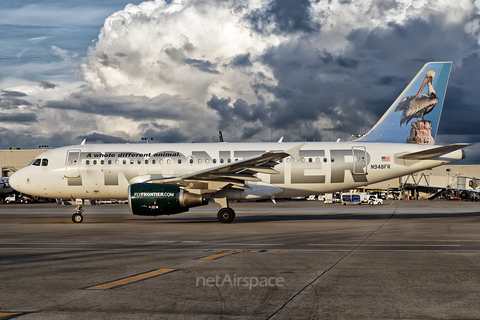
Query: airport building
x,y
454,176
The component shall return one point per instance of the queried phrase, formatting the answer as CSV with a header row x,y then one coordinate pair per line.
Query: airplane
x,y
163,179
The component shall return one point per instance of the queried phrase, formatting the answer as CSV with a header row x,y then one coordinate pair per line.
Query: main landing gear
x,y
226,214
77,216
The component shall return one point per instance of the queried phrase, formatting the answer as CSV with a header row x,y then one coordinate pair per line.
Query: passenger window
x,y
139,161
214,160
146,161
288,160
110,161
131,161
44,162
191,161
94,161
36,162
310,160
199,160
221,160
325,160
87,162
207,161
318,160
229,160
102,162
124,161
303,160
333,159
168,161
161,161
281,160
180,161
153,161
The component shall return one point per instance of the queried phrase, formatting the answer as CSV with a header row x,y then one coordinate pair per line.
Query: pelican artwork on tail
x,y
419,105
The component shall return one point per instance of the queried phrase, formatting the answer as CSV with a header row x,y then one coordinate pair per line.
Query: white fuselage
x,y
105,171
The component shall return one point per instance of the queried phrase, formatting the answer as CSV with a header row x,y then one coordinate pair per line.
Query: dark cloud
x,y
283,16
12,94
240,112
96,137
171,135
132,107
202,65
46,85
241,60
18,117
9,99
349,92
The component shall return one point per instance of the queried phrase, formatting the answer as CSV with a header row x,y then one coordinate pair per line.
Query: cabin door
x,y
359,161
72,164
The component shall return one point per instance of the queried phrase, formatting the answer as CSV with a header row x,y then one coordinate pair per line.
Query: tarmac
x,y
290,260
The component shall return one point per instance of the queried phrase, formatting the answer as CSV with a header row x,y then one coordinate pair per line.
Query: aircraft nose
x,y
15,181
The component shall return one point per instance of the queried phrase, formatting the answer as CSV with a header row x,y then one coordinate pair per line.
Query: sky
x,y
115,71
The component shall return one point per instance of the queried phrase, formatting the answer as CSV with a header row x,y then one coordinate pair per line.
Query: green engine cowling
x,y
153,199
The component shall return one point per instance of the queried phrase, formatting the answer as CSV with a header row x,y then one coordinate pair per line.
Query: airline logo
x,y
153,194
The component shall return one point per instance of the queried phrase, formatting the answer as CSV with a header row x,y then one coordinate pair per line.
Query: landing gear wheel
x,y
226,215
77,218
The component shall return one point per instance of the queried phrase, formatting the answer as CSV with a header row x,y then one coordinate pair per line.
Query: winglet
x,y
295,151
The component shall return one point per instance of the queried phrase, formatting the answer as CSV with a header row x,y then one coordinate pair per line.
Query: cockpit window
x,y
36,162
44,162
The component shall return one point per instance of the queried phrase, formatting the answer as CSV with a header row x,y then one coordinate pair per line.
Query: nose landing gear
x,y
77,216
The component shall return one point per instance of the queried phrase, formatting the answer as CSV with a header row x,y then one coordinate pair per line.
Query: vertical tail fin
x,y
414,115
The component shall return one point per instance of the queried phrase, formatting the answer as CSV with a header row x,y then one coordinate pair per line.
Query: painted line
x,y
71,222
388,245
11,315
130,280
224,253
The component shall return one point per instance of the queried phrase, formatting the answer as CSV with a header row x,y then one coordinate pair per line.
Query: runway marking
x,y
130,280
224,253
71,222
10,315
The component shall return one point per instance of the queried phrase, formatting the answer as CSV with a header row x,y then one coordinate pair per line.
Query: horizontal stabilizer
x,y
431,153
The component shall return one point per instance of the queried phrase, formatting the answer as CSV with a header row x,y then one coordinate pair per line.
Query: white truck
x,y
360,197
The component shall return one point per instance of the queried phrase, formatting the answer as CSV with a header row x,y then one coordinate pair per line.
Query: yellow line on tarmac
x,y
8,315
129,280
224,253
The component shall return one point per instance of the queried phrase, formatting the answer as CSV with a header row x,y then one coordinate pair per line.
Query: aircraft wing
x,y
234,174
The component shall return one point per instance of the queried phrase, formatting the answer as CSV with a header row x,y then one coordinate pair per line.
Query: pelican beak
x,y
427,80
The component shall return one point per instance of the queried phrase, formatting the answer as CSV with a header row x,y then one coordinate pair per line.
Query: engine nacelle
x,y
153,199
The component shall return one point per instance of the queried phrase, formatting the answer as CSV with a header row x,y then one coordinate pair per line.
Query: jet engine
x,y
153,199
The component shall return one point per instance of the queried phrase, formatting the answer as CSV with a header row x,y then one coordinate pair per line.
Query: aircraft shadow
x,y
312,217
